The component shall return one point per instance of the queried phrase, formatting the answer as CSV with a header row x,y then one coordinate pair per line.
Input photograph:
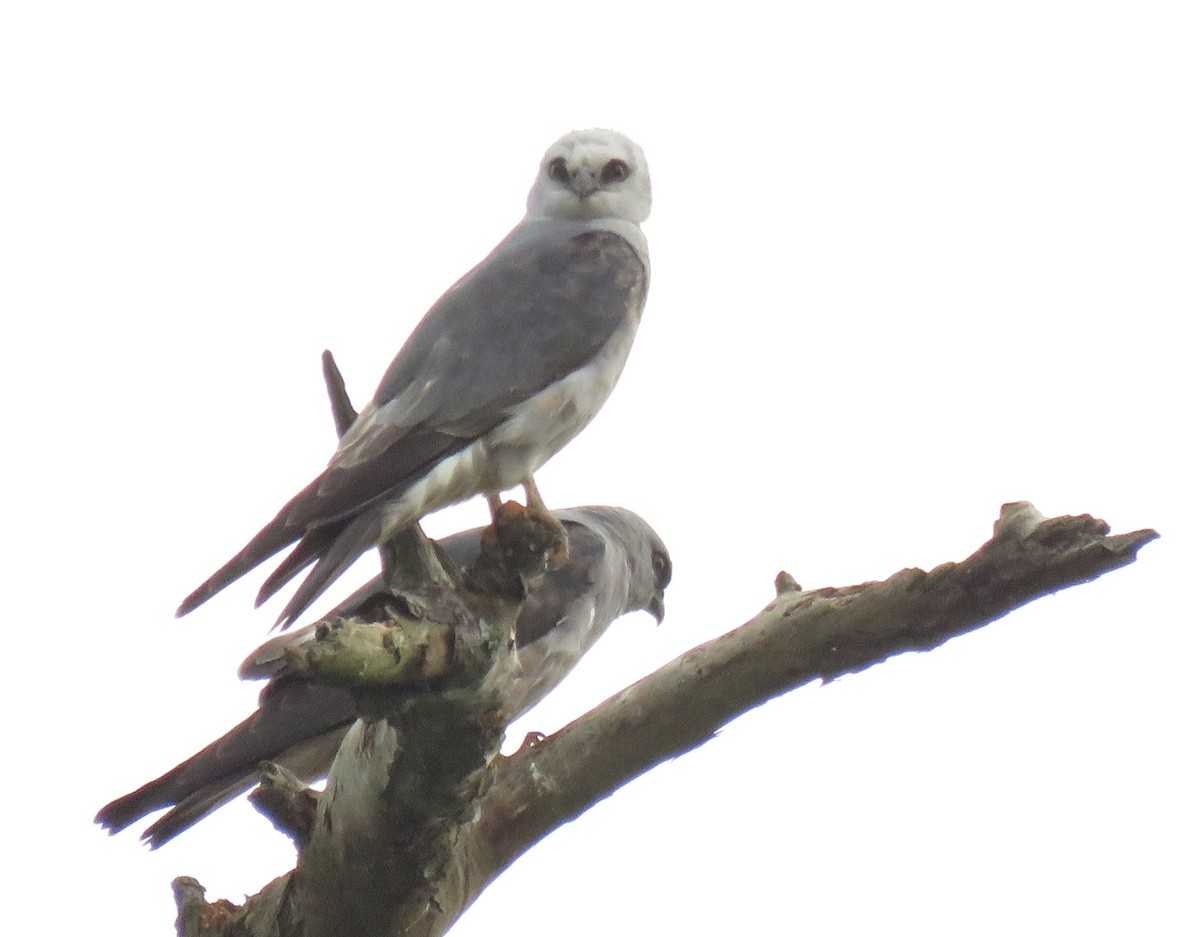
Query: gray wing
x,y
615,566
628,568
523,319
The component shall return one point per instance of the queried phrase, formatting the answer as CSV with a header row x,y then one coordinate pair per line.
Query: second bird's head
x,y
592,174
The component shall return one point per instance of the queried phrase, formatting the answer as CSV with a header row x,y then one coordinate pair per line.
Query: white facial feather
x,y
577,189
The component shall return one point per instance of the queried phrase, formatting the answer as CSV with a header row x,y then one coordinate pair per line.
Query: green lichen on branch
x,y
347,652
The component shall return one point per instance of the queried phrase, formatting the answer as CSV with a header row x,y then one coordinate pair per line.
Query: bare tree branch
x,y
799,637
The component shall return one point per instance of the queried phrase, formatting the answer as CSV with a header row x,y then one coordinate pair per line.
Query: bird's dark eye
x,y
662,569
615,170
557,170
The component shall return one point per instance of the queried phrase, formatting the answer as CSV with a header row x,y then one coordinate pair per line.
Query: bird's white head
x,y
592,174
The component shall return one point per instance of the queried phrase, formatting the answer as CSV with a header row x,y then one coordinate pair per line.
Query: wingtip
x,y
189,605
285,619
197,598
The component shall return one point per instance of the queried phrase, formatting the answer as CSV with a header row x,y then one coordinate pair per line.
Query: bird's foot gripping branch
x,y
432,623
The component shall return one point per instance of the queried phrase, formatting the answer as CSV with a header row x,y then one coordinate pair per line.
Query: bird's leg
x,y
493,500
533,497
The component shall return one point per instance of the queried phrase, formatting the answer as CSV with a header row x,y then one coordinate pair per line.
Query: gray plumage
x,y
508,366
617,564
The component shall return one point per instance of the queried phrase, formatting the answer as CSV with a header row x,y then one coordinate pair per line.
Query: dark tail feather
x,y
240,748
309,751
132,807
352,541
310,548
123,811
298,725
193,809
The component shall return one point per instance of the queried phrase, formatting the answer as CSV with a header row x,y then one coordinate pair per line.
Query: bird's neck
x,y
532,226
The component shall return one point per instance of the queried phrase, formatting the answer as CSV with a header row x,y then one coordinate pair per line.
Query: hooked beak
x,y
657,608
583,182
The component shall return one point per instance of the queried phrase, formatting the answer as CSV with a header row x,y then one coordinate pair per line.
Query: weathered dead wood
x,y
412,770
799,637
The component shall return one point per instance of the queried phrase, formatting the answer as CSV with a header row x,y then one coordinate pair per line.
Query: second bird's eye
x,y
557,170
615,170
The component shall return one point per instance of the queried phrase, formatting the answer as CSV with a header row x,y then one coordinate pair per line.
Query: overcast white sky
x,y
911,261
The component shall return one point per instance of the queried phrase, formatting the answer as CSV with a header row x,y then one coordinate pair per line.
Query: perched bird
x,y
617,564
508,366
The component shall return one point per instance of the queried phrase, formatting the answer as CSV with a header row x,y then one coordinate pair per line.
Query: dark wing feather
x,y
359,535
306,552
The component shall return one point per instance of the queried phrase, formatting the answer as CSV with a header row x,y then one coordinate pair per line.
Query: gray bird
x,y
617,564
506,368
